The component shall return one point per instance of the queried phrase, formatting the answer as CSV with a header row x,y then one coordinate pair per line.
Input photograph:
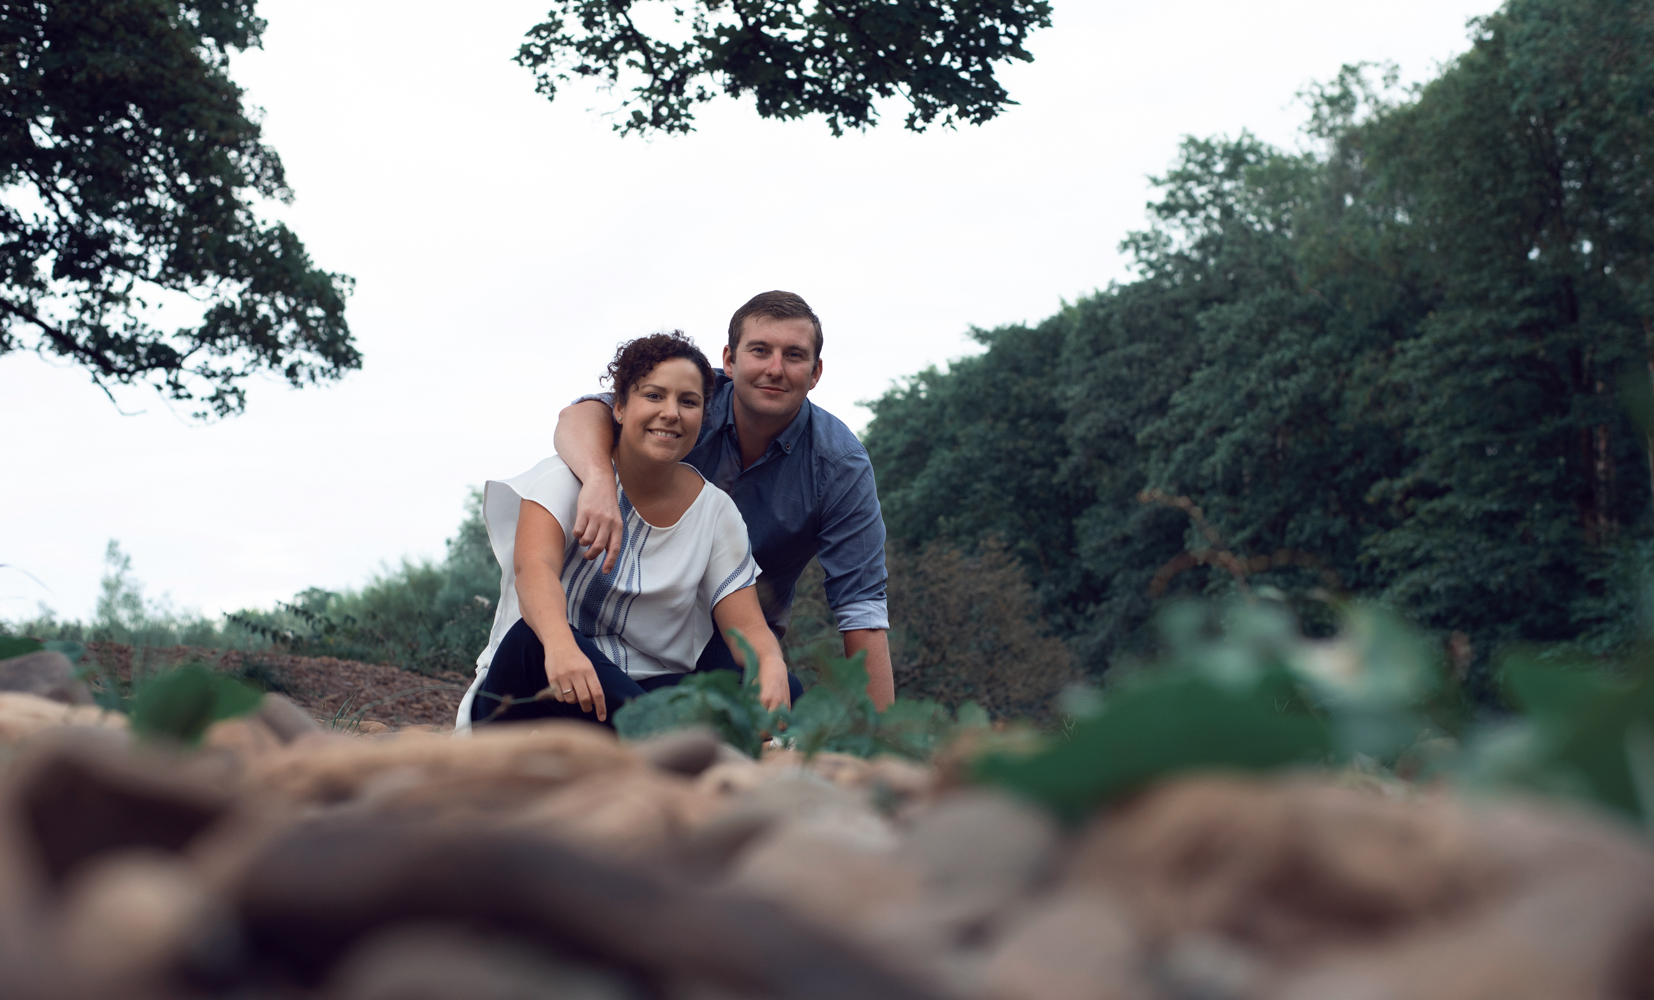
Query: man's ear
x,y
729,356
816,377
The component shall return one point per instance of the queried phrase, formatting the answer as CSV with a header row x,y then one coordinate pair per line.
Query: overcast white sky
x,y
503,245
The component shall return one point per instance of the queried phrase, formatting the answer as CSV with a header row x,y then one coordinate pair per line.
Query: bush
x,y
964,628
967,628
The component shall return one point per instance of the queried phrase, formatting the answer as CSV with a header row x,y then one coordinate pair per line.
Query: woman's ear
x,y
618,411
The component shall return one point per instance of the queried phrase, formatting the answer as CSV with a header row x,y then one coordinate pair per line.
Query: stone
x,y
732,777
245,736
682,751
1075,946
46,673
24,715
79,796
825,878
978,851
1286,866
1213,968
501,764
788,796
1296,888
438,962
285,718
128,919
635,813
1568,915
842,769
329,884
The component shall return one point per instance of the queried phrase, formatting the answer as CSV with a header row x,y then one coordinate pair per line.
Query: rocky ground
x,y
343,694
286,860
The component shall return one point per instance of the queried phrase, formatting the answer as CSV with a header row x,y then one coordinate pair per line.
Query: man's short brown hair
x,y
775,305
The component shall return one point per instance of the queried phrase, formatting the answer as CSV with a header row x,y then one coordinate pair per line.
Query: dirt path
x,y
339,691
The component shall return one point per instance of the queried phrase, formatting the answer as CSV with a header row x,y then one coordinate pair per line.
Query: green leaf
x,y
1164,726
10,647
716,698
1584,734
749,674
181,703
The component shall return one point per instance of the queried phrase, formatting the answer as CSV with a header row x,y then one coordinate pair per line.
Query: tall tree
x,y
129,173
1524,178
828,57
1402,354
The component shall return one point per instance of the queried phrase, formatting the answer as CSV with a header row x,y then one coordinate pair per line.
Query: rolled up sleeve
x,y
852,545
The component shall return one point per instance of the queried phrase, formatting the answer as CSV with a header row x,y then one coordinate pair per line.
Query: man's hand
x,y
573,679
584,436
598,526
773,691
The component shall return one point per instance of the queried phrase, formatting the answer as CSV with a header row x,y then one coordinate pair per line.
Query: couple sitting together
x,y
622,572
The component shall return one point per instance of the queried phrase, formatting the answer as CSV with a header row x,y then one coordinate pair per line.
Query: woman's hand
x,y
773,691
572,679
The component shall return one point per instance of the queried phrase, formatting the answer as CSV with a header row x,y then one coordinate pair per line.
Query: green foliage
x,y
716,698
180,704
130,173
965,627
795,58
1586,733
1239,688
1154,729
11,646
835,715
1397,359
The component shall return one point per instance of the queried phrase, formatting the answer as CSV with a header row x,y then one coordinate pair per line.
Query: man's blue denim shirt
x,y
810,494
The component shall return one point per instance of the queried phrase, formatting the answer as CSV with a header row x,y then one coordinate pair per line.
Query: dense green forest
x,y
1395,365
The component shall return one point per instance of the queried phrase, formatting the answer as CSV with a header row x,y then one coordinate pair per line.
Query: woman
x,y
592,640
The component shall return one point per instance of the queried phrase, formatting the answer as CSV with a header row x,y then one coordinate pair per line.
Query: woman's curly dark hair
x,y
637,358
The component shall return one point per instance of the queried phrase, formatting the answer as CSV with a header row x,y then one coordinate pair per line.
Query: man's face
x,y
775,366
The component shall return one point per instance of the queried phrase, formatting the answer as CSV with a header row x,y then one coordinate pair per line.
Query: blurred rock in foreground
x,y
282,860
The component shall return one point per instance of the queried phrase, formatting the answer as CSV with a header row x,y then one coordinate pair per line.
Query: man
x,y
798,475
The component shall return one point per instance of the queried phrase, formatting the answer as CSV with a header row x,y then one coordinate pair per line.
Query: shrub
x,y
964,628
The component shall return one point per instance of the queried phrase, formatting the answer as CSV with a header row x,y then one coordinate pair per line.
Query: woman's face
x,y
661,416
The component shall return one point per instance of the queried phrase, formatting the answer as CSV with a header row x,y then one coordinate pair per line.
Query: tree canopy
x,y
129,173
1396,362
796,57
